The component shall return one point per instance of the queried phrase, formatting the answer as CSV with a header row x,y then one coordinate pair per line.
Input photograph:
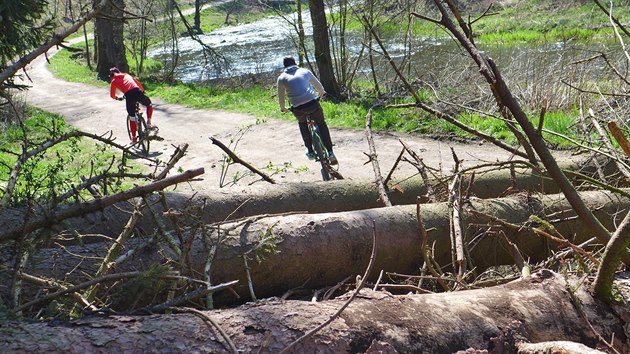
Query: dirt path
x,y
275,142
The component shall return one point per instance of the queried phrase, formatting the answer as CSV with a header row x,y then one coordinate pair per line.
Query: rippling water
x,y
258,47
251,48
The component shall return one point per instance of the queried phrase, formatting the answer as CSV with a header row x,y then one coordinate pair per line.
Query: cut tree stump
x,y
536,309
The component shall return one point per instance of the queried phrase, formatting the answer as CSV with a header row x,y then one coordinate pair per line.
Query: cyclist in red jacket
x,y
133,92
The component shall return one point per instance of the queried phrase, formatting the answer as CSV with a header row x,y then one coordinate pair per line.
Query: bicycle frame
x,y
142,131
321,152
317,144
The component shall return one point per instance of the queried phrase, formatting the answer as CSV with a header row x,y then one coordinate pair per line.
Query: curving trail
x,y
273,142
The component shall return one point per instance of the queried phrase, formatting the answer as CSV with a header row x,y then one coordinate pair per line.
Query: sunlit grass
x,y
56,169
261,102
72,67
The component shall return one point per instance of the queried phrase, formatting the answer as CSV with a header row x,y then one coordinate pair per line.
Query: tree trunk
x,y
535,309
322,48
316,250
332,196
197,17
108,39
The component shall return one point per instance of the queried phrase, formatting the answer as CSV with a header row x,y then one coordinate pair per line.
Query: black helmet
x,y
113,71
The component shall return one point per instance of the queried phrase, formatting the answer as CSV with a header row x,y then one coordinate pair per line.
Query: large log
x,y
316,250
536,309
333,196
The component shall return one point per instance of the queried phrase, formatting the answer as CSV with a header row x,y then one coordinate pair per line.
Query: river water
x,y
250,48
258,47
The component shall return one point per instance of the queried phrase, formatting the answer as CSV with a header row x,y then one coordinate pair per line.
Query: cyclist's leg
x,y
303,125
133,121
146,101
306,136
133,128
318,117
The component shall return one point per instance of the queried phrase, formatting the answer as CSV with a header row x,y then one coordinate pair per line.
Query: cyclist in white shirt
x,y
300,86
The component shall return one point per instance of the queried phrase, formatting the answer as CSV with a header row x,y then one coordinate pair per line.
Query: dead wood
x,y
12,231
238,160
619,137
556,347
532,310
378,177
619,242
316,250
507,102
333,196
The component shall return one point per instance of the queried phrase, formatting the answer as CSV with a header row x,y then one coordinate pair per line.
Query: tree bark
x,y
322,48
535,309
331,196
108,39
316,250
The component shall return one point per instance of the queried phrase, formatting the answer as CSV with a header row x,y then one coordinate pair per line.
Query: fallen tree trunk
x,y
317,250
536,309
332,196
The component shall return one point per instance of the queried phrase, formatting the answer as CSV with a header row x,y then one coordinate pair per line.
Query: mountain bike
x,y
143,131
321,153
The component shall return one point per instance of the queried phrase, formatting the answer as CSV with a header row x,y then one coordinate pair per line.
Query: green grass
x,y
261,102
72,67
56,170
549,21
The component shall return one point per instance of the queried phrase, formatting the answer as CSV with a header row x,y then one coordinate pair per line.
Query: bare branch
x,y
378,178
237,159
54,217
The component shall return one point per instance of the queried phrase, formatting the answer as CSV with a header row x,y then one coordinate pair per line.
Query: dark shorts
x,y
135,95
313,108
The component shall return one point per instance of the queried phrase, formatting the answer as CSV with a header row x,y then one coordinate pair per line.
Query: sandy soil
x,y
274,142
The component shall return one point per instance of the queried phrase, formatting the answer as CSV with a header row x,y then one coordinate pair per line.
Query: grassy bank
x,y
47,175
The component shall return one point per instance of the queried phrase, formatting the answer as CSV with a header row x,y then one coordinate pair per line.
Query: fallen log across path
x,y
316,250
332,196
544,307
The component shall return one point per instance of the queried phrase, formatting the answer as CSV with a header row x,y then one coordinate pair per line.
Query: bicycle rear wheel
x,y
322,154
143,135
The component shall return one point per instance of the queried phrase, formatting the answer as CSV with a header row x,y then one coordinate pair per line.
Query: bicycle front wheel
x,y
322,155
143,135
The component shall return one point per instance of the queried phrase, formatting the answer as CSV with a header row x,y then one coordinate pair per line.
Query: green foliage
x,y
267,246
22,27
52,172
548,21
146,285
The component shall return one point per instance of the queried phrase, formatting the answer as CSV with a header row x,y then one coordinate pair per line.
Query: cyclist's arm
x,y
281,97
317,85
112,91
